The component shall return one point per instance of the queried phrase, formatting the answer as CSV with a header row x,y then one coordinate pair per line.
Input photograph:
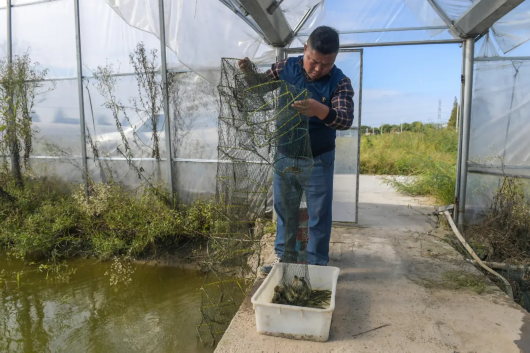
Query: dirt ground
x,y
401,288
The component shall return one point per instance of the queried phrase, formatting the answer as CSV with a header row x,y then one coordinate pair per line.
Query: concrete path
x,y
390,297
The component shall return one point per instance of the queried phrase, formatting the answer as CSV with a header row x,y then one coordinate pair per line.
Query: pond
x,y
90,306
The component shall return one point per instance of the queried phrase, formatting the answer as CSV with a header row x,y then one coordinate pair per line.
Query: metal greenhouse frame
x,y
283,26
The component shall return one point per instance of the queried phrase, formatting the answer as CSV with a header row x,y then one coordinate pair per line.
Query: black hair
x,y
324,40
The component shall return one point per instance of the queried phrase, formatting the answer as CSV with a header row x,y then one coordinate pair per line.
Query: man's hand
x,y
245,65
311,107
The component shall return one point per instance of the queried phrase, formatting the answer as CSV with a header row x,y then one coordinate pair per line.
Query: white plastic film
x,y
514,28
487,47
365,16
295,10
3,33
499,122
107,38
454,8
136,126
47,32
193,32
56,118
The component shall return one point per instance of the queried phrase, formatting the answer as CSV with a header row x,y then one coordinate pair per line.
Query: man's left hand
x,y
311,107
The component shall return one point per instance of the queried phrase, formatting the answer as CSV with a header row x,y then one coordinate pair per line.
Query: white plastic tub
x,y
294,321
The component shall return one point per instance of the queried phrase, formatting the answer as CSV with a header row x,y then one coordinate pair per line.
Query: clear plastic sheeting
x,y
133,174
47,32
56,120
102,121
194,180
513,29
480,191
314,20
3,33
487,48
192,31
347,147
295,10
454,8
67,169
499,122
194,111
499,143
107,38
363,16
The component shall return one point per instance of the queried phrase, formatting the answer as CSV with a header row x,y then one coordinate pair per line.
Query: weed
x,y
428,158
51,219
456,280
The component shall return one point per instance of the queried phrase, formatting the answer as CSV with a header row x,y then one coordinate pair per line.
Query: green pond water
x,y
90,306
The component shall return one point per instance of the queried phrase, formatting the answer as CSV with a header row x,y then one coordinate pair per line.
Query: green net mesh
x,y
259,134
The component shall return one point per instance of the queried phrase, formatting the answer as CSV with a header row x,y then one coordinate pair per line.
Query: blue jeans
x,y
319,191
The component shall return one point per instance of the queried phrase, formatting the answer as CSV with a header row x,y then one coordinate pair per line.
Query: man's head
x,y
321,51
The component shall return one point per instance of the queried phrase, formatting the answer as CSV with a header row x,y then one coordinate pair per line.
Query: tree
x,y
451,125
20,82
416,126
386,128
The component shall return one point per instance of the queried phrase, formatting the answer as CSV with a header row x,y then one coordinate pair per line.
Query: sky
x,y
405,84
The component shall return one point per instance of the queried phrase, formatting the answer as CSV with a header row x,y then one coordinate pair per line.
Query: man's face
x,y
317,65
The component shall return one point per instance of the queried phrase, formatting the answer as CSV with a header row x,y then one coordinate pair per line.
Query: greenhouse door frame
x,y
282,54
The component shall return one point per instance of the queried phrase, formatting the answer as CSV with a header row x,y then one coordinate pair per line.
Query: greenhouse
x,y
131,91
71,108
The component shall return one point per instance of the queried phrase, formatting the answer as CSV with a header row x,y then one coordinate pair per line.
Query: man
x,y
329,109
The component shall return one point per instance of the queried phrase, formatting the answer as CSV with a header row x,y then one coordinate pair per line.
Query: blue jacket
x,y
322,136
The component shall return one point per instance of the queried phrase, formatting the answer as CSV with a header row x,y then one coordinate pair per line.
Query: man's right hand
x,y
245,65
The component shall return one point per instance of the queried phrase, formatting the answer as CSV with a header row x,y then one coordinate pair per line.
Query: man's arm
x,y
275,70
340,116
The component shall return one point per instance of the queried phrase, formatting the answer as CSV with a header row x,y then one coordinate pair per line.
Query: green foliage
x,y
49,220
428,157
20,83
452,119
505,228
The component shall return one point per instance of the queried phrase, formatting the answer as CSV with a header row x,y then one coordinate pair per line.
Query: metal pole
x,y
359,138
82,124
459,124
281,54
466,126
11,123
165,93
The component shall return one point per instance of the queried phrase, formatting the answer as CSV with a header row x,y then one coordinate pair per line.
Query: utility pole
x,y
440,112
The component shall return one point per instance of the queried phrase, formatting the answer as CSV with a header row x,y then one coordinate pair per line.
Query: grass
x,y
50,219
456,280
427,159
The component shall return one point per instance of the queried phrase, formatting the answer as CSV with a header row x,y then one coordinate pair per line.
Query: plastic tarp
x,y
365,16
454,8
499,128
513,29
47,32
107,39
